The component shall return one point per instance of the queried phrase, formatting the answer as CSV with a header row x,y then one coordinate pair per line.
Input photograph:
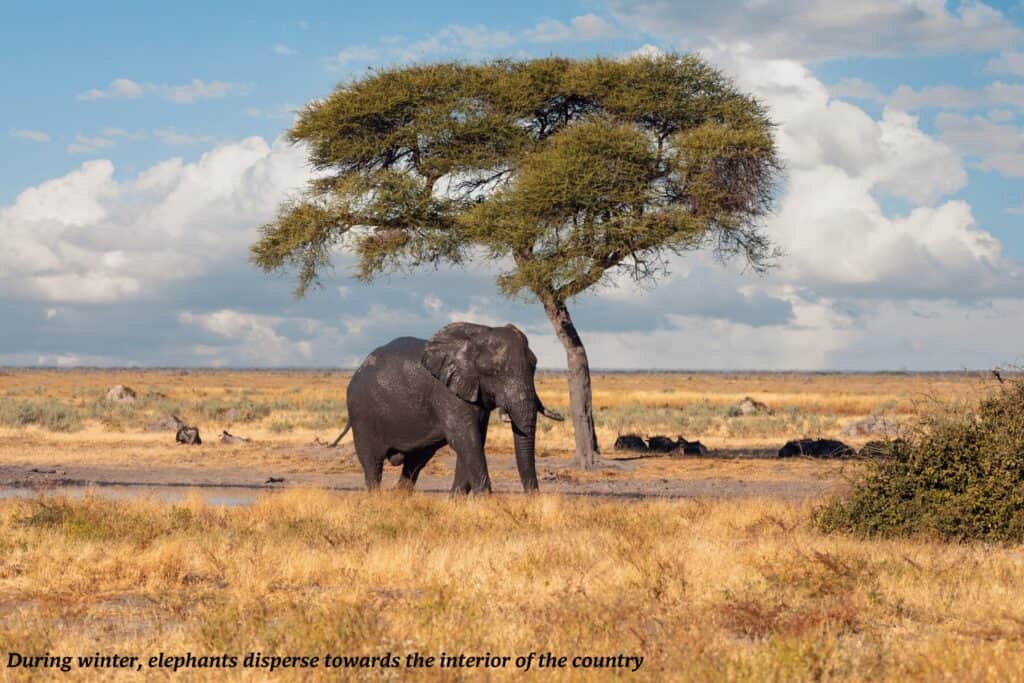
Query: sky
x,y
142,147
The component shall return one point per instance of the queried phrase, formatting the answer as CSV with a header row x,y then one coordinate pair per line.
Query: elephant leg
x,y
471,474
412,466
371,456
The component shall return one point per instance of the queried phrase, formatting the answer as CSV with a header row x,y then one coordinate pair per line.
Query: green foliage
x,y
961,477
568,169
49,414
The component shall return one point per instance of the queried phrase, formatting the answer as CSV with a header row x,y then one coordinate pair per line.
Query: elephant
x,y
411,396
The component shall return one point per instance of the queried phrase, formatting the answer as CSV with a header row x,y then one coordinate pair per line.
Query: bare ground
x,y
41,460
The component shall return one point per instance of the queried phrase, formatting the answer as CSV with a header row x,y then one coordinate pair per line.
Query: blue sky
x,y
142,151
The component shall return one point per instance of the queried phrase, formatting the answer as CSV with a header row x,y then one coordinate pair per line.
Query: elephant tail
x,y
347,427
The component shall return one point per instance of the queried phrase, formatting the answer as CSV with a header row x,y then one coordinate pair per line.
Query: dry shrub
x,y
959,477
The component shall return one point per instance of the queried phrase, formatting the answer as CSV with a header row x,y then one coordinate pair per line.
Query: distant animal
x,y
630,442
816,448
188,435
660,444
412,396
690,447
997,375
230,439
274,480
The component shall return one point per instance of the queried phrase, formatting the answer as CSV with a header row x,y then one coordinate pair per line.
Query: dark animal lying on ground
x,y
660,444
816,448
881,449
228,438
187,435
630,442
685,447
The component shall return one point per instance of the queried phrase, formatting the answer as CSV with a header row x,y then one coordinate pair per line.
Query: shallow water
x,y
230,496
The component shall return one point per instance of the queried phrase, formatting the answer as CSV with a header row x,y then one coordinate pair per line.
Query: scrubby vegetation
x,y
959,477
704,590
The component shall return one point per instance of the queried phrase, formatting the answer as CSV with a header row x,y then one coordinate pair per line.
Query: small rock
x,y
121,394
275,480
816,448
749,406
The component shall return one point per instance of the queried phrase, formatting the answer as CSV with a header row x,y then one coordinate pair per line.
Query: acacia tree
x,y
566,172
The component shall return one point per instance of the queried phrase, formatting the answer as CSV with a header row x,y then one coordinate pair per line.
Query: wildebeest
x,y
630,442
691,447
816,448
660,444
188,435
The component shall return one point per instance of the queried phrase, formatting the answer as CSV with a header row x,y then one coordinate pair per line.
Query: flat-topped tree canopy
x,y
572,167
568,170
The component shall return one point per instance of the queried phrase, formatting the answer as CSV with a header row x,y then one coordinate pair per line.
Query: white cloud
x,y
824,29
199,90
1009,63
857,89
829,221
996,94
456,39
254,338
998,146
171,136
282,49
118,88
355,54
187,93
28,134
582,28
85,144
88,237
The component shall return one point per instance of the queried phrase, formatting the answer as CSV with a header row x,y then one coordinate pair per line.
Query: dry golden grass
x,y
741,589
295,406
702,590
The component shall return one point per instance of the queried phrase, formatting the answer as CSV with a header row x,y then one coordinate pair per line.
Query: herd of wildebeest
x,y
814,448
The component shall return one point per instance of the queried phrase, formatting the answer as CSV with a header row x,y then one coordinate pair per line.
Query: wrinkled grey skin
x,y
410,397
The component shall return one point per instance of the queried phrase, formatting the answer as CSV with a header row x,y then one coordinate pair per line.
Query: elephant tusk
x,y
551,414
503,416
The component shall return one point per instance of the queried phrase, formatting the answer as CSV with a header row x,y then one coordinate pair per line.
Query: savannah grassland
x,y
741,588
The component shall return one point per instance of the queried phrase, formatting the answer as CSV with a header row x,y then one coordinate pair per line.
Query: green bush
x,y
959,477
50,414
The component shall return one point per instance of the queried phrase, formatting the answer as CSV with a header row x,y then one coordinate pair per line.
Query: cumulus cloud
x,y
998,146
822,29
88,237
251,338
186,93
830,222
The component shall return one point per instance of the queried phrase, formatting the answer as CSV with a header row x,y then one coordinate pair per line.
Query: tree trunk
x,y
581,404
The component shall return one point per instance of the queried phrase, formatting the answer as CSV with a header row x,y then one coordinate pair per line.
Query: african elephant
x,y
410,397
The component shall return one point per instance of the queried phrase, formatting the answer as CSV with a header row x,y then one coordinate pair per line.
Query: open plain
x,y
707,567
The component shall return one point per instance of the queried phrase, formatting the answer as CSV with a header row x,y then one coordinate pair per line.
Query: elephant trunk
x,y
524,434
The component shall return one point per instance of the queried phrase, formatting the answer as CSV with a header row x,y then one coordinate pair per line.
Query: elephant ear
x,y
451,357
